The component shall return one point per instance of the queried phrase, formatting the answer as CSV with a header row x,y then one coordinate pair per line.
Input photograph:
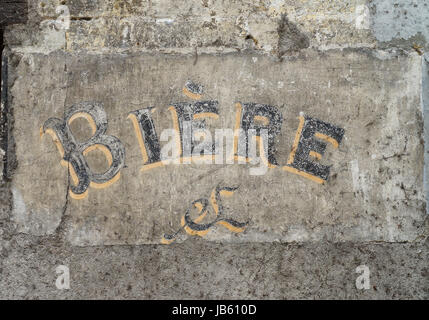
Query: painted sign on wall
x,y
257,123
141,149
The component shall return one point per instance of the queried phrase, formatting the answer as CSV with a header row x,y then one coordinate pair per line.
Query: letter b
x,y
73,152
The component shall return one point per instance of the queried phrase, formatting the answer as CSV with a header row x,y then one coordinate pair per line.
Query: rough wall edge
x,y
304,54
3,113
425,111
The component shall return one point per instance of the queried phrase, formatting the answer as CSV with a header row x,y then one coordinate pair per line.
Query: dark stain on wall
x,y
12,11
291,39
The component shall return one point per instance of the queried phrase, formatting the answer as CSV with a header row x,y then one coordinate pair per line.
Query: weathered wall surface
x,y
336,84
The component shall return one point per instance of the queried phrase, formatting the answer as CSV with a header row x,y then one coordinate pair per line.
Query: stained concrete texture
x,y
211,26
357,66
376,169
197,269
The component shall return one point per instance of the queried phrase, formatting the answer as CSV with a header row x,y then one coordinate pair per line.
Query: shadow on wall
x,y
291,39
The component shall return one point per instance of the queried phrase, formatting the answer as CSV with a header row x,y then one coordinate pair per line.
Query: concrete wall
x,y
340,88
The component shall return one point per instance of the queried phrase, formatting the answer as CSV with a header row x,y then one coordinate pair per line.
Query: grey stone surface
x,y
400,20
377,170
356,64
210,26
425,105
202,270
